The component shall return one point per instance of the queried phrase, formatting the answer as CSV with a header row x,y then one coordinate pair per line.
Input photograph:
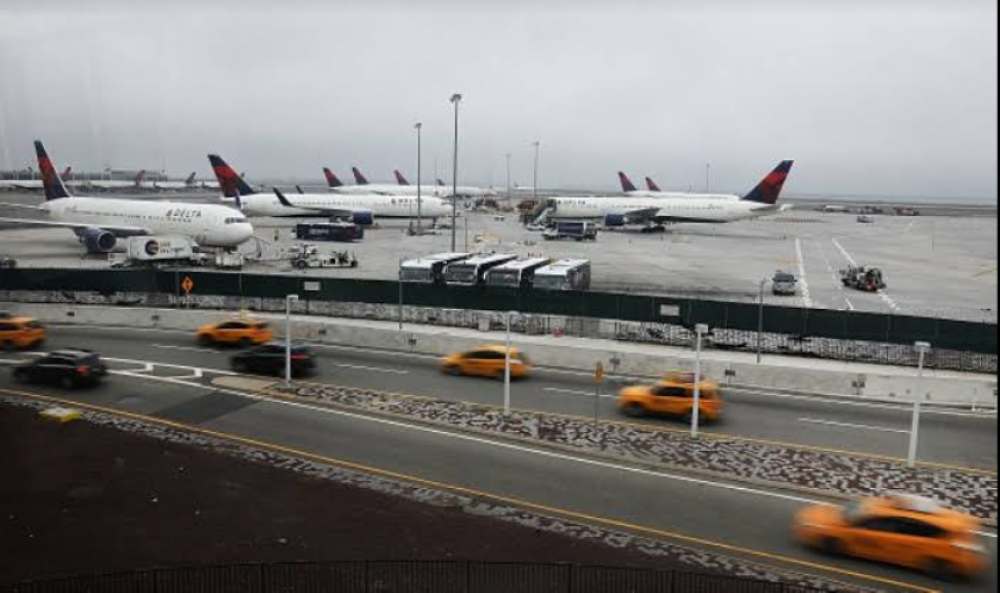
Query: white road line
x,y
186,349
847,255
884,295
850,304
854,426
579,393
901,407
803,276
357,367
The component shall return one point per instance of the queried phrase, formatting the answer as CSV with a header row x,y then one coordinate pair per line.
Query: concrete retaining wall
x,y
821,378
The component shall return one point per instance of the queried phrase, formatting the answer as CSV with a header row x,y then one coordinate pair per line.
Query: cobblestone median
x,y
820,471
697,560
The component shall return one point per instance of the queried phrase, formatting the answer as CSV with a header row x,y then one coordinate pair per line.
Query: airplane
x,y
98,222
115,184
30,184
468,191
363,186
362,209
188,183
676,208
654,191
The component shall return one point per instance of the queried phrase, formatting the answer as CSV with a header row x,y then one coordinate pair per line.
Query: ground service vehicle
x,y
69,368
271,359
516,274
236,332
472,271
564,275
487,361
18,333
571,229
673,396
898,529
8,263
309,256
430,269
863,278
784,284
338,232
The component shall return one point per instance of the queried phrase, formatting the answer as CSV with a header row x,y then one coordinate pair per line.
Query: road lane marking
x,y
854,426
850,305
579,393
462,490
803,276
358,367
847,256
186,349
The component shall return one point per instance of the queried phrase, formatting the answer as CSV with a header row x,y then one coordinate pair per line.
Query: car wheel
x,y
832,547
21,377
634,410
206,341
7,346
943,570
454,371
245,343
241,366
67,383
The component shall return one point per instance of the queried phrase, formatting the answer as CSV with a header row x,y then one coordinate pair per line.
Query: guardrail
x,y
405,577
839,335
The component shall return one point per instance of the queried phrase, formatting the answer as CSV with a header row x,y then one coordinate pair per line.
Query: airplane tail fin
x,y
769,190
331,179
66,174
233,185
652,185
400,179
299,189
627,185
441,183
55,189
359,177
140,177
190,180
283,199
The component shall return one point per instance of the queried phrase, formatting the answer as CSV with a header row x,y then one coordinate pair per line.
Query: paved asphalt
x,y
952,438
754,520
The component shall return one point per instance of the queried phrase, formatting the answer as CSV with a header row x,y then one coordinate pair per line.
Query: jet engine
x,y
98,241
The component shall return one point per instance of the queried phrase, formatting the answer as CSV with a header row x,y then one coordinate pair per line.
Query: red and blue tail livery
x,y
331,179
55,189
231,183
652,185
770,188
359,177
627,185
400,179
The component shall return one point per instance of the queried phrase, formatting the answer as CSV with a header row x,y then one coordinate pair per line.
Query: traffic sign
x,y
187,285
599,373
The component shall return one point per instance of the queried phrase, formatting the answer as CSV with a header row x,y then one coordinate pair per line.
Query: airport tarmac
x,y
934,265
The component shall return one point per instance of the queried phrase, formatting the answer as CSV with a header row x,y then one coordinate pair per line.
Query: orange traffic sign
x,y
187,285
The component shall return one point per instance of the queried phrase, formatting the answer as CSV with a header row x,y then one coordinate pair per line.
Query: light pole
x,y
538,147
420,198
456,100
510,197
760,323
922,348
292,298
701,330
400,277
506,380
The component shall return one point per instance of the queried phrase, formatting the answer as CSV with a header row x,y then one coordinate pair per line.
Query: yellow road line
x,y
667,429
593,519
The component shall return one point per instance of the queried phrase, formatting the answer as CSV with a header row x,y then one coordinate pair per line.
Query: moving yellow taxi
x,y
487,361
236,332
18,333
674,396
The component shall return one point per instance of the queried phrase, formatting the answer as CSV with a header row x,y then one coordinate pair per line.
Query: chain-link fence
x,y
405,577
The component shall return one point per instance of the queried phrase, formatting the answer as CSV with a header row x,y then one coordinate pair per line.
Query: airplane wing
x,y
642,214
331,212
21,206
118,230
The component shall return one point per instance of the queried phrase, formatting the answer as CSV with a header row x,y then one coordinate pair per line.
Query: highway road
x,y
659,504
954,438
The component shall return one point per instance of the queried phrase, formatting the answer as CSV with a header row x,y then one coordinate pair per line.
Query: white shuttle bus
x,y
472,272
516,274
564,275
430,269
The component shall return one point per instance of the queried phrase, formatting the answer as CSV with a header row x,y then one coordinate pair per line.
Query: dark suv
x,y
66,368
269,359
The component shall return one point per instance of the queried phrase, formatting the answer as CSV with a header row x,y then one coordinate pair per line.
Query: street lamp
x,y
538,146
506,380
923,348
292,298
510,198
420,199
456,100
701,330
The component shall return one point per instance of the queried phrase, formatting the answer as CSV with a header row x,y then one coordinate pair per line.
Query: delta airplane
x,y
30,184
402,187
188,183
654,191
361,209
676,208
99,222
112,184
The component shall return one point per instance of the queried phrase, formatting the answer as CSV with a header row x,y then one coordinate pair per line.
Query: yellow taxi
x,y
487,361
17,333
236,332
898,529
673,396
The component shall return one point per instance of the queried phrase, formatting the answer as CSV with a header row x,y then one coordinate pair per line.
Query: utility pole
x,y
456,100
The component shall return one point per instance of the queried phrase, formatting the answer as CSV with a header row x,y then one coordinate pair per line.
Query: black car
x,y
67,368
269,359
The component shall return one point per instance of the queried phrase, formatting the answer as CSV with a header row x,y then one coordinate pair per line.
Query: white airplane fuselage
x,y
687,209
440,191
379,205
208,225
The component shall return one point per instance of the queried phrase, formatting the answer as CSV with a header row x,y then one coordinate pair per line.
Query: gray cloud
x,y
875,97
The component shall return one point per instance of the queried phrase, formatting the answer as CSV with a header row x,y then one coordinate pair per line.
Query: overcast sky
x,y
872,97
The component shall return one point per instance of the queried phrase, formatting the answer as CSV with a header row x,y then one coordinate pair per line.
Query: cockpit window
x,y
236,221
